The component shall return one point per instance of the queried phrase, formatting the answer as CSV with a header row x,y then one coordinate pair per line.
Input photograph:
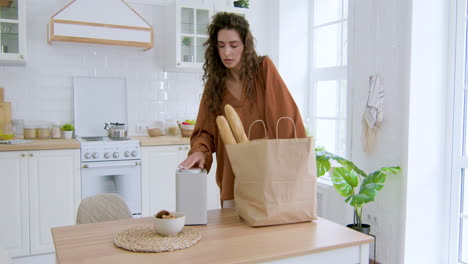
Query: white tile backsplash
x,y
43,88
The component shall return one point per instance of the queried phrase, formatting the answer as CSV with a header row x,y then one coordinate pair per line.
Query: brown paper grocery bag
x,y
275,180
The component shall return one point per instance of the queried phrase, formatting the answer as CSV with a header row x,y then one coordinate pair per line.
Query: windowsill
x,y
325,182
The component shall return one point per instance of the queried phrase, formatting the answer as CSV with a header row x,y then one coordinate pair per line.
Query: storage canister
x,y
30,131
43,131
56,130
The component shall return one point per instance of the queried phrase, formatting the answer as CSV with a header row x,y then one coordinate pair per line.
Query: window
x,y
459,213
328,97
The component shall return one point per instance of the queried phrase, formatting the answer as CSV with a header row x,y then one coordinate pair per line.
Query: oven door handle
x,y
107,165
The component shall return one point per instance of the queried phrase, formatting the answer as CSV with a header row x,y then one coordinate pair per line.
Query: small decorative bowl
x,y
154,132
171,226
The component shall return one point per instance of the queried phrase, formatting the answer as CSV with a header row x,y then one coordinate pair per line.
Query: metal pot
x,y
116,130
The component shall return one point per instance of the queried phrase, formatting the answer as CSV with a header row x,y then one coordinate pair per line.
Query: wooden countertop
x,y
163,140
226,239
42,144
49,144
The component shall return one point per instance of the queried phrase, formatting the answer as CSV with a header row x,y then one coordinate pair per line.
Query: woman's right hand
x,y
194,158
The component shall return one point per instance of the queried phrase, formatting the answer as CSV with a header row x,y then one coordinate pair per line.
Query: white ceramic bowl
x,y
169,227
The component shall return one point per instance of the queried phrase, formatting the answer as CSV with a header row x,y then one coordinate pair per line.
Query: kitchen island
x,y
226,239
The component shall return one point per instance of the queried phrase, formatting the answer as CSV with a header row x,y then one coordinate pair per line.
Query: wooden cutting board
x,y
2,95
5,113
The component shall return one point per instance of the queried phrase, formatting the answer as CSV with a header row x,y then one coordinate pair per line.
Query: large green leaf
x,y
393,170
364,196
359,199
375,177
349,164
371,184
323,165
344,180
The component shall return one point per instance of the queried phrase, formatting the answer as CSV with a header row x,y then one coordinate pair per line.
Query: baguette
x,y
225,130
236,124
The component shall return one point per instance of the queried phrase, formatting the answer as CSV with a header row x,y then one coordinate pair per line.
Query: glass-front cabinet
x,y
12,31
186,34
191,34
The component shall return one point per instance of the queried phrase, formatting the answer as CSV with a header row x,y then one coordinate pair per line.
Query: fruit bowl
x,y
186,128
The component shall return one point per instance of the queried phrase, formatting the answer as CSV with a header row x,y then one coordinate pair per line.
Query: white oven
x,y
108,165
121,177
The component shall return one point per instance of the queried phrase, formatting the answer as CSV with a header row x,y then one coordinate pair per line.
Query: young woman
x,y
234,74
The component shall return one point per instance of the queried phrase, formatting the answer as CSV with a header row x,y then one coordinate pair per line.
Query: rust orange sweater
x,y
272,100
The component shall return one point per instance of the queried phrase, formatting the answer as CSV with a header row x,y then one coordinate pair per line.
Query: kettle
x,y
116,130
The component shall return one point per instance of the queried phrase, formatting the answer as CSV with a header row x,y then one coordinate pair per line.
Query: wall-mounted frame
x,y
109,22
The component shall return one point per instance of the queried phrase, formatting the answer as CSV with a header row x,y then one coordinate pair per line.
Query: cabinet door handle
x,y
180,148
23,155
30,154
187,148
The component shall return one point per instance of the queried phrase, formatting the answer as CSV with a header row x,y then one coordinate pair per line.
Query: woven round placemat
x,y
143,238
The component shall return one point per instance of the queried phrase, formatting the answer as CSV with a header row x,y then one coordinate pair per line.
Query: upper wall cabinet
x,y
12,31
110,22
188,32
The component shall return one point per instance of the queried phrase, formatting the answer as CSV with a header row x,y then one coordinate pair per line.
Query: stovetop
x,y
106,139
107,149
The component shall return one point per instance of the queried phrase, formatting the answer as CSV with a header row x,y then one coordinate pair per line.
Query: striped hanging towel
x,y
373,114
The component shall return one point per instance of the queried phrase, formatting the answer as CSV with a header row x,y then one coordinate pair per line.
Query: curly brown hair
x,y
215,72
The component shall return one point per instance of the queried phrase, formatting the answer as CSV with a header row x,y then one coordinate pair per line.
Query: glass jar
x,y
43,131
30,131
18,126
171,128
6,132
56,131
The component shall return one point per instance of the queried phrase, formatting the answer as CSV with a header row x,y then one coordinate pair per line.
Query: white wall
x,y
293,42
286,34
42,89
406,42
427,174
380,45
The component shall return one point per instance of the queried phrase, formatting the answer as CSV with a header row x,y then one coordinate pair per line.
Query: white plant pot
x,y
67,134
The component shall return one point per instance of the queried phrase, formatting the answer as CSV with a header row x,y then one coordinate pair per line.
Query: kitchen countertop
x,y
225,239
42,144
50,144
163,140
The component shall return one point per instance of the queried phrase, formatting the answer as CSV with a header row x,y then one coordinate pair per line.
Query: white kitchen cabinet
x,y
186,34
39,190
13,33
14,227
55,194
159,165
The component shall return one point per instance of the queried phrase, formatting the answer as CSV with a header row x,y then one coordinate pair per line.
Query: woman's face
x,y
230,48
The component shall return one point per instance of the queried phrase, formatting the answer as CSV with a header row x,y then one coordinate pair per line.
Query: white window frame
x,y
458,161
338,73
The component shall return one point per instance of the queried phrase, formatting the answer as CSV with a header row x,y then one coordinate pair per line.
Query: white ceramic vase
x,y
67,134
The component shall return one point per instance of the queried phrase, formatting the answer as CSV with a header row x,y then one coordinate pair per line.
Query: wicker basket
x,y
186,130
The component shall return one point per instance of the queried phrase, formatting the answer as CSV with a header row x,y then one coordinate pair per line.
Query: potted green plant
x,y
187,41
241,3
68,131
351,182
